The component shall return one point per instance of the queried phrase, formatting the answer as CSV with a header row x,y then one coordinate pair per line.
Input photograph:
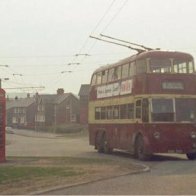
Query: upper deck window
x,y
132,69
141,66
169,65
181,66
125,71
117,73
99,78
111,75
93,82
104,76
160,65
114,74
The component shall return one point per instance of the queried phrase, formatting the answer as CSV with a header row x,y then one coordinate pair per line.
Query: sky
x,y
40,39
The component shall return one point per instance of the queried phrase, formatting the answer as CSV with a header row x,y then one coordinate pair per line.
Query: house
x,y
20,113
56,109
83,97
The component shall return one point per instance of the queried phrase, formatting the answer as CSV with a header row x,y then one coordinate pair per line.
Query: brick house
x,y
56,109
83,97
20,113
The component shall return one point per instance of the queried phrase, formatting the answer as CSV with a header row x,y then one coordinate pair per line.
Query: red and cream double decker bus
x,y
145,104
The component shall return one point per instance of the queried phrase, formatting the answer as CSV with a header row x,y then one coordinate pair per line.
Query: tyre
x,y
106,146
140,151
99,144
191,156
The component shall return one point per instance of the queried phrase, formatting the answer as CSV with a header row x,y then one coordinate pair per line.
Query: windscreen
x,y
162,110
186,110
170,110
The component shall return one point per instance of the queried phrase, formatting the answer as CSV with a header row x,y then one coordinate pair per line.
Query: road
x,y
173,175
170,176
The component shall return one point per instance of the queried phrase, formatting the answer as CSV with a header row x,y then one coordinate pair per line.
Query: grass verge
x,y
25,175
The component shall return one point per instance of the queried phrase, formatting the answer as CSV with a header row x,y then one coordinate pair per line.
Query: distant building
x,y
83,97
56,109
20,113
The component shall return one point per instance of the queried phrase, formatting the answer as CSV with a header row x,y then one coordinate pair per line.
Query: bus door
x,y
141,113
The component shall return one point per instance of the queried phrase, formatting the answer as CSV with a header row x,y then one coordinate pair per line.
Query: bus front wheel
x,y
140,149
191,156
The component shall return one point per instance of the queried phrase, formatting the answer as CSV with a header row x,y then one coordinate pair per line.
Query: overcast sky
x,y
39,38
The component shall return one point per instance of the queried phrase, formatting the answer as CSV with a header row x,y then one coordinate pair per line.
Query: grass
x,y
24,175
9,174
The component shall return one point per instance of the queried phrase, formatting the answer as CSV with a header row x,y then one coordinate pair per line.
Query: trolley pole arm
x,y
138,50
142,46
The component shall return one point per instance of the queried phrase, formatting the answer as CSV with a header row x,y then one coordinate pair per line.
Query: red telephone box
x,y
2,125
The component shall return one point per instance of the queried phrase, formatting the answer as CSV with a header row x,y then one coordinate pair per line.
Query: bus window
x,y
123,111
130,111
145,110
99,78
160,65
93,82
183,66
138,109
103,113
116,112
185,109
109,112
125,71
111,75
104,76
117,73
97,113
132,69
141,66
191,68
162,110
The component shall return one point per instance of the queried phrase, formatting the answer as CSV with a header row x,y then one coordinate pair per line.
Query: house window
x,y
22,120
14,120
40,118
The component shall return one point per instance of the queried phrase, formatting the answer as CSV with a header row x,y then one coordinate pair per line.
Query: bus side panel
x,y
120,135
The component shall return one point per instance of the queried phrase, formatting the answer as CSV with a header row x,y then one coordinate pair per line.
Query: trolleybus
x,y
145,104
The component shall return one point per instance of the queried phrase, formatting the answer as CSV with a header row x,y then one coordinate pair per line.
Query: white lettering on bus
x,y
115,89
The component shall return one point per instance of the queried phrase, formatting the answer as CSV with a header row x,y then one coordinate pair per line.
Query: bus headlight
x,y
156,135
193,135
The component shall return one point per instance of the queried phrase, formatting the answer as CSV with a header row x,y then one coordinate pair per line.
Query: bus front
x,y
168,103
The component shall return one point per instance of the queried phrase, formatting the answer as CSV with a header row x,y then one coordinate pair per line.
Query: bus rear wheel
x,y
140,149
103,145
106,146
191,156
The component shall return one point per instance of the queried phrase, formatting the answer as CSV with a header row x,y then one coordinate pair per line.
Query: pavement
x,y
33,133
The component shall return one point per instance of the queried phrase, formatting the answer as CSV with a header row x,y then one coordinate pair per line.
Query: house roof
x,y
23,102
84,90
55,98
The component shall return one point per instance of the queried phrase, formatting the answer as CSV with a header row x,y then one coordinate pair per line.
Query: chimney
x,y
60,91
